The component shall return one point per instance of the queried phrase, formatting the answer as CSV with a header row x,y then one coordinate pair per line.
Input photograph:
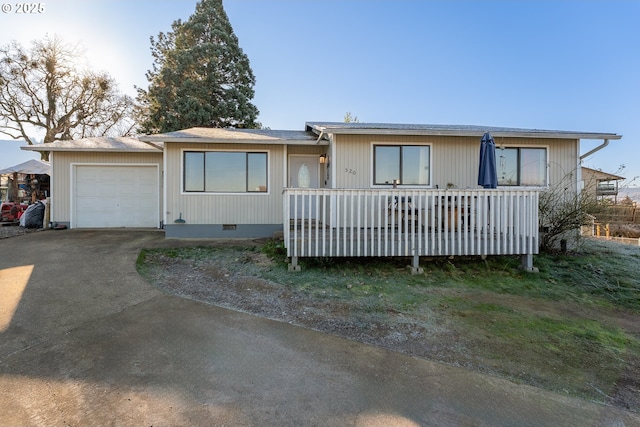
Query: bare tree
x,y
45,91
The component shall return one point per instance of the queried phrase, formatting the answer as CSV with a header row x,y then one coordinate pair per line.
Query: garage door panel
x,y
116,196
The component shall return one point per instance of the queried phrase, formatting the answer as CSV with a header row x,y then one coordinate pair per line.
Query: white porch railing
x,y
332,223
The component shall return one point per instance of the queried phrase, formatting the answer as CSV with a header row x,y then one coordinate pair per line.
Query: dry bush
x,y
625,230
562,212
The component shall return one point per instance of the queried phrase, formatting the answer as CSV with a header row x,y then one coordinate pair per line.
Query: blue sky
x,y
565,65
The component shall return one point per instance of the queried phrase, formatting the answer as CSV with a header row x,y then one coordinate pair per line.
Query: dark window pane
x,y
415,165
533,167
522,166
257,172
226,172
193,171
387,164
507,166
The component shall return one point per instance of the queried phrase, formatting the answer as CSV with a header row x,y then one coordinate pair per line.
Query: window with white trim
x,y
520,166
225,171
409,164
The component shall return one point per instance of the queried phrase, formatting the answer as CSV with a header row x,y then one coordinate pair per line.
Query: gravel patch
x,y
10,230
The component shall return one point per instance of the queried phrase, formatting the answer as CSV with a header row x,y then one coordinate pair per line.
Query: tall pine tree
x,y
200,76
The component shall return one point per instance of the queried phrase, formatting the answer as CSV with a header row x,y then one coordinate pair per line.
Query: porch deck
x,y
410,223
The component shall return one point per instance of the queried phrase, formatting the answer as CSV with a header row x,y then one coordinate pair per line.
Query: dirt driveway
x,y
85,341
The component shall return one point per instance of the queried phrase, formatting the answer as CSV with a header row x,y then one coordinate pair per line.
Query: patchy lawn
x,y
573,328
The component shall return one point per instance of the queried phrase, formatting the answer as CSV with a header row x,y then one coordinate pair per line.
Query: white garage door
x,y
116,196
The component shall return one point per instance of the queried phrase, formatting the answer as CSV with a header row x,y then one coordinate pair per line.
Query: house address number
x,y
350,171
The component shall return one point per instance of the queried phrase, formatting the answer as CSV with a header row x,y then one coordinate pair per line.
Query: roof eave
x,y
462,132
505,134
206,140
93,150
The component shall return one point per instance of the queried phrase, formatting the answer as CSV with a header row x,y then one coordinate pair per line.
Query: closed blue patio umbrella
x,y
487,172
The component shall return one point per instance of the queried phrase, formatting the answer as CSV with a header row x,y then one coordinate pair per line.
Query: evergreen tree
x,y
200,76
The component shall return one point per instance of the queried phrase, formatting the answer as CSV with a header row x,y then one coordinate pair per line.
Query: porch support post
x,y
527,263
293,264
415,265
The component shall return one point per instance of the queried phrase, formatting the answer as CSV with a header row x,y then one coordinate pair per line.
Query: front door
x,y
304,172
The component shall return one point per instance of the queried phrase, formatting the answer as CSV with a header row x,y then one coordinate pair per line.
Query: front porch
x,y
410,223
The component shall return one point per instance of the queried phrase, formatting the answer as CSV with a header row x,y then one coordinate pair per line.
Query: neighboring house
x,y
600,184
334,189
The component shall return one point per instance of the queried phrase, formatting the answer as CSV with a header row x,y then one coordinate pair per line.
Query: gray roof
x,y
603,175
312,135
127,144
33,166
254,136
449,130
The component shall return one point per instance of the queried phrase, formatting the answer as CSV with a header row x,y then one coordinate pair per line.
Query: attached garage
x,y
105,182
109,196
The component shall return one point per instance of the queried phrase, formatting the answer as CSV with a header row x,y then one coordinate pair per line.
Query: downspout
x,y
580,183
598,148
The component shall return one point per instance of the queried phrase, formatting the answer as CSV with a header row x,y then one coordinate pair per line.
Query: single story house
x,y
332,189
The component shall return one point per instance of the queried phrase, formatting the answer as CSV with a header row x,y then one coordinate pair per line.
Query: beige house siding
x,y
62,163
204,208
454,160
305,149
352,161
